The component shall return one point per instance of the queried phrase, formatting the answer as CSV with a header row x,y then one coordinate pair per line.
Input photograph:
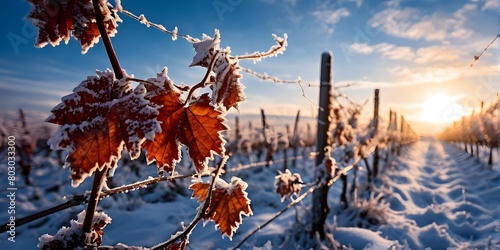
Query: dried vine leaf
x,y
56,19
73,237
100,117
197,125
287,184
228,203
228,89
180,245
205,50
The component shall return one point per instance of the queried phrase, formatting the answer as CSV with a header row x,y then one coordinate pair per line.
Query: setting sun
x,y
441,108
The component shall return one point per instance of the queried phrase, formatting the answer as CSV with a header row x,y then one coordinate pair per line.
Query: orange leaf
x,y
97,120
55,20
180,245
197,126
228,203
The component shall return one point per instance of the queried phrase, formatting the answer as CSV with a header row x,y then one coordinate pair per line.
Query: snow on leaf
x,y
287,184
228,89
72,237
229,201
205,50
197,126
56,19
100,117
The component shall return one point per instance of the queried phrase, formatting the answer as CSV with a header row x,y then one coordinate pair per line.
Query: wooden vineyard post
x,y
389,128
268,144
402,133
295,138
375,117
320,196
237,132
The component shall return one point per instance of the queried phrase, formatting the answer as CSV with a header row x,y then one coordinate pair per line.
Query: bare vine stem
x,y
200,215
282,43
100,175
203,81
182,88
158,26
75,201
294,202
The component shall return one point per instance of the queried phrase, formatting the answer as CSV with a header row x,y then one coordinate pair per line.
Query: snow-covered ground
x,y
434,195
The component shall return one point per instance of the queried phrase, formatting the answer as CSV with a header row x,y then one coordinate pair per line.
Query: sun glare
x,y
441,108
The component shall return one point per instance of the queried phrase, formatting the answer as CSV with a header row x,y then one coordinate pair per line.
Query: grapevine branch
x,y
143,184
274,79
187,231
100,175
182,88
75,201
82,199
257,56
159,27
476,57
294,202
203,82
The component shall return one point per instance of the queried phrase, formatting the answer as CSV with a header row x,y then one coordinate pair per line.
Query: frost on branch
x,y
100,117
72,237
56,19
287,184
275,50
228,202
197,125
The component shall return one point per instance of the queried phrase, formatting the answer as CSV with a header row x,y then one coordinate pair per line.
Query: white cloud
x,y
361,48
409,23
358,2
331,16
328,18
433,54
386,50
491,4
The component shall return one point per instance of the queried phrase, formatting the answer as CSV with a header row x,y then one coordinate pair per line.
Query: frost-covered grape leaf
x,y
72,237
197,125
228,203
205,50
100,117
287,184
56,19
228,89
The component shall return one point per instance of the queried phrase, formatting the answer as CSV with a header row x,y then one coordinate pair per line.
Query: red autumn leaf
x,y
197,125
180,245
100,117
228,203
56,19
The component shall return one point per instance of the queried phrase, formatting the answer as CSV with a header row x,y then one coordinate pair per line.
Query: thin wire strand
x,y
476,57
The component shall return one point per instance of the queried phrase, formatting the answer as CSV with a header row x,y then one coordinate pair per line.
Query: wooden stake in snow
x,y
375,117
320,203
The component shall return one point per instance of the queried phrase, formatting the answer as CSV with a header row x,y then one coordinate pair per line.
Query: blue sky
x,y
411,50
